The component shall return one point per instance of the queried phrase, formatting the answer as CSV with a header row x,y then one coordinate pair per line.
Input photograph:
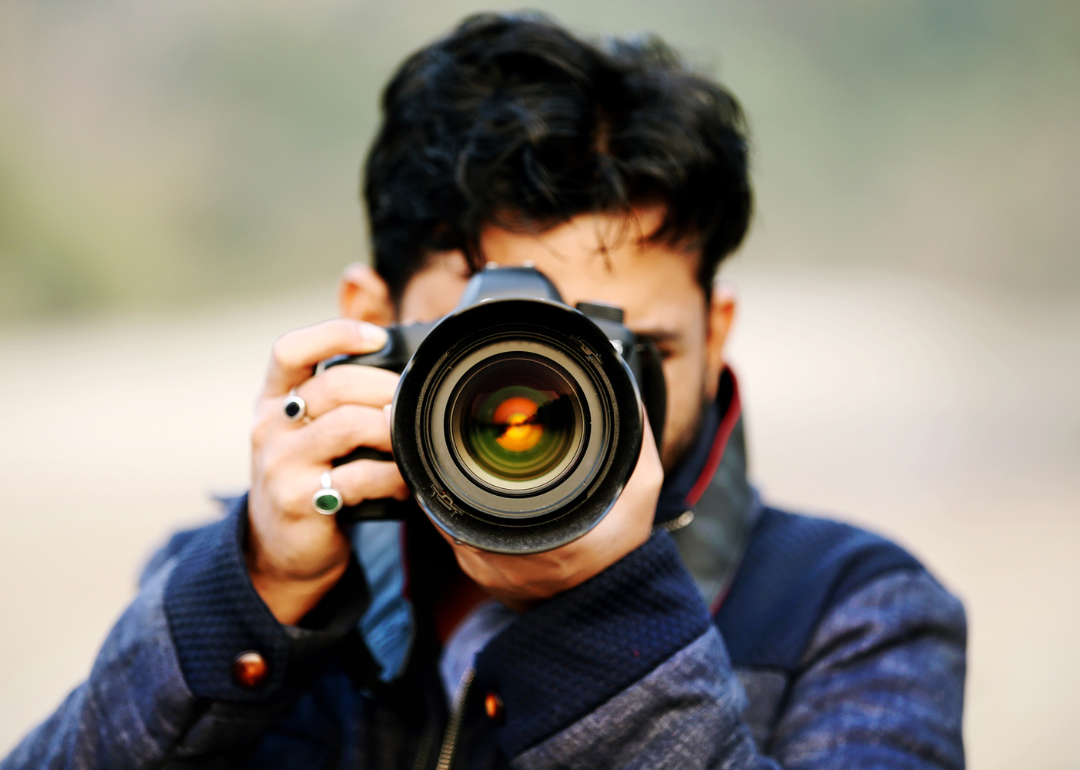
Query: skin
x,y
295,555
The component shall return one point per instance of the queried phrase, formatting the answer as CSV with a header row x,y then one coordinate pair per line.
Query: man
x,y
693,627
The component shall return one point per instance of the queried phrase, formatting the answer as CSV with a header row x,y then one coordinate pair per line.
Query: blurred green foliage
x,y
177,153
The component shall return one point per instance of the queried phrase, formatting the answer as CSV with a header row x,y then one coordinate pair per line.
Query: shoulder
x,y
801,572
903,605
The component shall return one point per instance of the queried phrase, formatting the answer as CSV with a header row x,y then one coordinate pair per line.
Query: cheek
x,y
683,377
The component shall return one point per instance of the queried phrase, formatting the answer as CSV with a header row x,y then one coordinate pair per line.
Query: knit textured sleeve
x,y
161,692
215,614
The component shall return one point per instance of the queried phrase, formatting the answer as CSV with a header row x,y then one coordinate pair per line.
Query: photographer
x,y
693,626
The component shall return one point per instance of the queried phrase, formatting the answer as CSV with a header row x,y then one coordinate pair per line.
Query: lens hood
x,y
572,493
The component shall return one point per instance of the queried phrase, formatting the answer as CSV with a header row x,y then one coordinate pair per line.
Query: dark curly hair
x,y
511,120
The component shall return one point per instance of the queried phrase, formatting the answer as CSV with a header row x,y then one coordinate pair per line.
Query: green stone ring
x,y
327,500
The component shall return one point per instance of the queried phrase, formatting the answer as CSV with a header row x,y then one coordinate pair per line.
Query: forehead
x,y
591,257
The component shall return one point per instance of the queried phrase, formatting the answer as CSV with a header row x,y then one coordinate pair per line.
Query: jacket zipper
x,y
424,751
453,727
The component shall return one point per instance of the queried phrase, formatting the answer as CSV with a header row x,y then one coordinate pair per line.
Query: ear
x,y
364,296
721,313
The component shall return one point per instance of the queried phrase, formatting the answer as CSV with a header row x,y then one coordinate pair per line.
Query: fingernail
x,y
386,411
376,335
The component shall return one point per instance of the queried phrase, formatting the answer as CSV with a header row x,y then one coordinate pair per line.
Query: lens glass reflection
x,y
517,421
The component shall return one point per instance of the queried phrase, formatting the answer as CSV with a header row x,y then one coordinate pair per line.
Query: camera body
x,y
518,419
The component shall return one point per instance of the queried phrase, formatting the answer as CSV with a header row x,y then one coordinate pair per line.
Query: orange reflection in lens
x,y
520,434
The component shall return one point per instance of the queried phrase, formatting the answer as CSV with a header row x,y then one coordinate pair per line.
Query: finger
x,y
341,430
339,385
363,480
649,471
295,354
631,518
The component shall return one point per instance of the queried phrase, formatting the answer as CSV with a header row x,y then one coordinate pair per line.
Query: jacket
x,y
738,636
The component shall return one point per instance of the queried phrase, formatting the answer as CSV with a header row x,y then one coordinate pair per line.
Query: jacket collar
x,y
707,503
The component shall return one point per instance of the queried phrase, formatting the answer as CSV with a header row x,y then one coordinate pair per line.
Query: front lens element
x,y
517,422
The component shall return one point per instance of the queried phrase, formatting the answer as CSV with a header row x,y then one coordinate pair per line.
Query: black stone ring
x,y
295,408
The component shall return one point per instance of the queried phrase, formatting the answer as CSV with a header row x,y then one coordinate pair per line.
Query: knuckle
x,y
290,497
275,490
286,351
258,434
520,583
261,428
279,352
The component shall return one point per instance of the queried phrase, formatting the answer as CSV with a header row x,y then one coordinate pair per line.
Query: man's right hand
x,y
295,554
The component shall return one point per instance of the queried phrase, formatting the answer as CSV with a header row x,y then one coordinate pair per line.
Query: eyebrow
x,y
659,336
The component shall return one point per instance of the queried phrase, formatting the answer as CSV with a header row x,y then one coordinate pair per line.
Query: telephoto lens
x,y
517,420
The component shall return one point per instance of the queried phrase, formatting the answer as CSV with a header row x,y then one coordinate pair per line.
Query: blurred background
x,y
178,187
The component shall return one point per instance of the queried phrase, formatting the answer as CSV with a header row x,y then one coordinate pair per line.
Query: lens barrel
x,y
516,425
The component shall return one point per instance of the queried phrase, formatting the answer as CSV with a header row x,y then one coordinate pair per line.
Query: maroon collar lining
x,y
716,453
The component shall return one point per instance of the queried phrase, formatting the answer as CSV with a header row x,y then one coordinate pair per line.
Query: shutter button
x,y
249,669
493,706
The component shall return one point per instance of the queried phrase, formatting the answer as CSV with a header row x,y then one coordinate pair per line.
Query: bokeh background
x,y
178,187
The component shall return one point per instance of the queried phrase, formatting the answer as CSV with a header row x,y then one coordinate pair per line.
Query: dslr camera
x,y
518,419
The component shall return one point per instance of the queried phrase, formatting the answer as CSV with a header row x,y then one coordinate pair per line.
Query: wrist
x,y
289,596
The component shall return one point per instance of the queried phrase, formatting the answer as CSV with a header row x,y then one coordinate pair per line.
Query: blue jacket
x,y
738,636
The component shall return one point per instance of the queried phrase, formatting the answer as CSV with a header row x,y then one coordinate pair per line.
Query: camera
x,y
518,419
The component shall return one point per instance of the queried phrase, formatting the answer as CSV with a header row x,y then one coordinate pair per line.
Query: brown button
x,y
250,669
493,705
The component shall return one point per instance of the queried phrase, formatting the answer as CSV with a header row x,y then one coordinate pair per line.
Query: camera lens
x,y
516,423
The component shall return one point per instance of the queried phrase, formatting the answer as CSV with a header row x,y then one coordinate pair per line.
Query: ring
x,y
327,500
295,408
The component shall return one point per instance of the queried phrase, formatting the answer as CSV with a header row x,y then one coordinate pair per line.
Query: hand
x,y
520,581
295,554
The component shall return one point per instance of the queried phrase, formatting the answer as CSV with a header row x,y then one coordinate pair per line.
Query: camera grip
x,y
401,342
386,358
